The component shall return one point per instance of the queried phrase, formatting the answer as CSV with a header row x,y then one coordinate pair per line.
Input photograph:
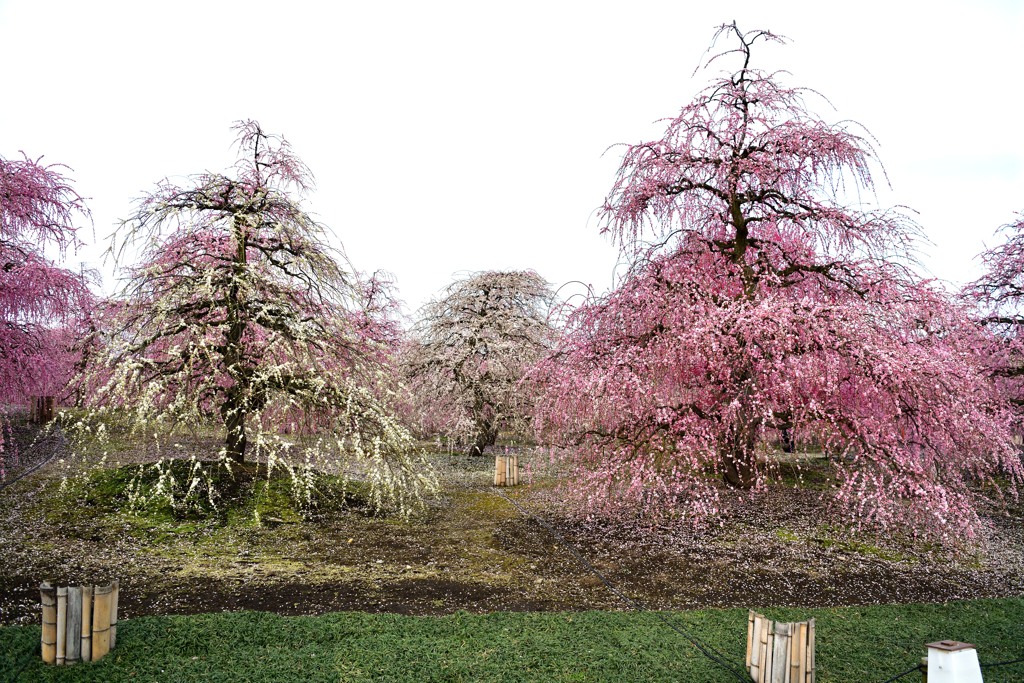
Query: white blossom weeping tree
x,y
239,312
470,350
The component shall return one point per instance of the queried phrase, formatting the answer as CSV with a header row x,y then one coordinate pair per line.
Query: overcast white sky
x,y
456,136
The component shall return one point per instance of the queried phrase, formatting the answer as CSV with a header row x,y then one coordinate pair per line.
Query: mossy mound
x,y
191,490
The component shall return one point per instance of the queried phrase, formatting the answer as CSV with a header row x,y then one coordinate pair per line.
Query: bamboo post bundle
x,y
506,470
779,652
115,586
73,639
48,598
101,621
86,623
62,624
79,622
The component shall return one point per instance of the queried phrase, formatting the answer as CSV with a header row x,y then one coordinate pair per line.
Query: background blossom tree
x,y
761,299
239,312
39,300
471,348
999,297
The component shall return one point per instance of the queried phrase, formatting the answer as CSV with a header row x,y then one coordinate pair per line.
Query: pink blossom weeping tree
x,y
469,351
239,312
762,303
39,300
998,297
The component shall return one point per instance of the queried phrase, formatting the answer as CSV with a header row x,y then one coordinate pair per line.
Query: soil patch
x,y
471,550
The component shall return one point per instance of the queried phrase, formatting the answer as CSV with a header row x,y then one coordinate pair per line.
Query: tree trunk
x,y
739,458
234,420
486,436
233,409
787,440
739,470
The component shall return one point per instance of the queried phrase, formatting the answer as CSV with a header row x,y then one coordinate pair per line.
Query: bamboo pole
x,y
48,598
114,593
101,621
515,470
757,654
86,623
73,640
799,656
810,651
750,636
62,624
780,652
500,471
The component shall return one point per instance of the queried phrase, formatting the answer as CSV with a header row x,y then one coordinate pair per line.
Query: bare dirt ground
x,y
472,550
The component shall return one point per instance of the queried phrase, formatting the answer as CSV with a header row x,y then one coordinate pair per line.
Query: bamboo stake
x,y
101,621
800,653
86,623
62,624
73,640
810,650
48,598
780,650
500,471
515,470
750,636
113,612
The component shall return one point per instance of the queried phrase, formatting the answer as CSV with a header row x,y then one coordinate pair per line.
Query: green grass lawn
x,y
854,644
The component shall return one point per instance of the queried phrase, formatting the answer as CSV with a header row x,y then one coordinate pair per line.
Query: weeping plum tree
x,y
39,300
240,312
471,348
999,298
762,302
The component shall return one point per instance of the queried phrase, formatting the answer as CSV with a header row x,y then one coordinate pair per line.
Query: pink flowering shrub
x,y
998,298
761,300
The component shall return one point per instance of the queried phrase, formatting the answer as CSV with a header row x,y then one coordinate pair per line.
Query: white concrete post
x,y
950,661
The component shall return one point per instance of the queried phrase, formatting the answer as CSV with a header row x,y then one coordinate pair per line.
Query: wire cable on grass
x,y
919,667
708,651
914,669
1007,663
